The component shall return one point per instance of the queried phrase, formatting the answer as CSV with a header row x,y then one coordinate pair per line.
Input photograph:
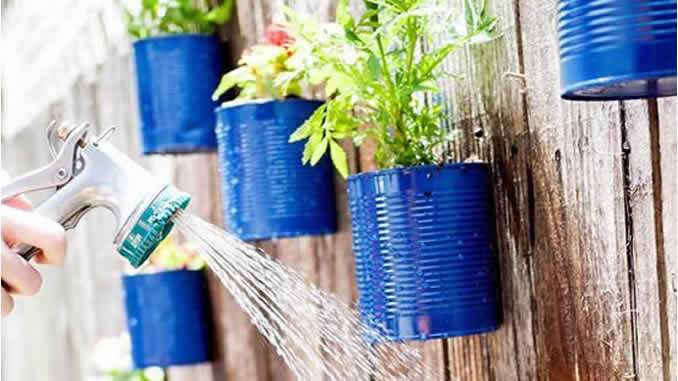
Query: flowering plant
x,y
378,69
170,255
267,70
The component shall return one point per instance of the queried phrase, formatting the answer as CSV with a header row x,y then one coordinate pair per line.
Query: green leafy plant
x,y
161,17
377,70
267,70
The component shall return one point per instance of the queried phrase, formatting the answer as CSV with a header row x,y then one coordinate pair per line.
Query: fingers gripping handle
x,y
27,252
61,207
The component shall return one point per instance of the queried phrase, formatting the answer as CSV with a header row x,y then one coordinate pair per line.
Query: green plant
x,y
158,17
269,70
377,70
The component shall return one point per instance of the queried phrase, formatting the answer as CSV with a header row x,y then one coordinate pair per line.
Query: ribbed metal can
x,y
617,49
424,243
176,76
168,317
267,192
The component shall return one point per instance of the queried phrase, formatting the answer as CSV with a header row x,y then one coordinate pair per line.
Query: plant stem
x,y
395,114
410,51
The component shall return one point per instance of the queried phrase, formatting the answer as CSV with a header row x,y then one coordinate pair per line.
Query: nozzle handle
x,y
27,252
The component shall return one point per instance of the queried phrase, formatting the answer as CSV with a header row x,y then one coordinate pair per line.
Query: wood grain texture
x,y
648,271
325,260
582,254
488,105
196,174
668,242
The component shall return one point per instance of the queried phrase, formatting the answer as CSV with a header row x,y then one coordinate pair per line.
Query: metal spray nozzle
x,y
89,173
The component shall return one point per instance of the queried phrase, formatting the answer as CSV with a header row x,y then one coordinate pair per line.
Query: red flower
x,y
276,34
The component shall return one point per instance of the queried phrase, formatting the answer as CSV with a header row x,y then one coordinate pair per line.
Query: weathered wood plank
x,y
240,351
644,195
246,351
488,109
584,327
190,373
197,174
668,148
315,257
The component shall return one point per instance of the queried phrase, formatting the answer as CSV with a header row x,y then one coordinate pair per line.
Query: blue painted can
x,y
424,243
267,192
617,49
168,317
176,76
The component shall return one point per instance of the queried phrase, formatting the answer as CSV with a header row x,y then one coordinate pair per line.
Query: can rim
x,y
571,92
139,274
174,36
258,102
419,168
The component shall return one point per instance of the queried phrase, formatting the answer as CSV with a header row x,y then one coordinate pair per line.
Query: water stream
x,y
314,332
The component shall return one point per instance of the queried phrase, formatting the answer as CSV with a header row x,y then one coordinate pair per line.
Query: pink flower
x,y
276,34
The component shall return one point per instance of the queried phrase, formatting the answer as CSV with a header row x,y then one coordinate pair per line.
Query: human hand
x,y
20,225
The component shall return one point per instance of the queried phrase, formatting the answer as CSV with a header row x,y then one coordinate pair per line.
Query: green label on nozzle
x,y
153,225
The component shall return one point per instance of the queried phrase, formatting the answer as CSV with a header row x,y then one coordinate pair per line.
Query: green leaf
x,y
367,19
352,37
426,86
343,16
228,81
319,151
338,81
311,146
222,13
304,131
311,124
374,68
339,158
469,12
359,139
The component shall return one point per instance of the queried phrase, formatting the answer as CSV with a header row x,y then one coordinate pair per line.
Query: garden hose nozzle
x,y
87,173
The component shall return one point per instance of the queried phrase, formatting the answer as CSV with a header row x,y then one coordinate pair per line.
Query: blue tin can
x,y
176,76
267,192
617,49
424,243
168,317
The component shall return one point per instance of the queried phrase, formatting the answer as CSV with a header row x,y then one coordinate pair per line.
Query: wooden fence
x,y
586,223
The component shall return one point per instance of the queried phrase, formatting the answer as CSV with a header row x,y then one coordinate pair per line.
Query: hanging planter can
x,y
168,317
426,265
267,191
176,76
613,50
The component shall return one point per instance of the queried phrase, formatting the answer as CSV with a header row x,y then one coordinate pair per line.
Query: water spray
x,y
87,173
